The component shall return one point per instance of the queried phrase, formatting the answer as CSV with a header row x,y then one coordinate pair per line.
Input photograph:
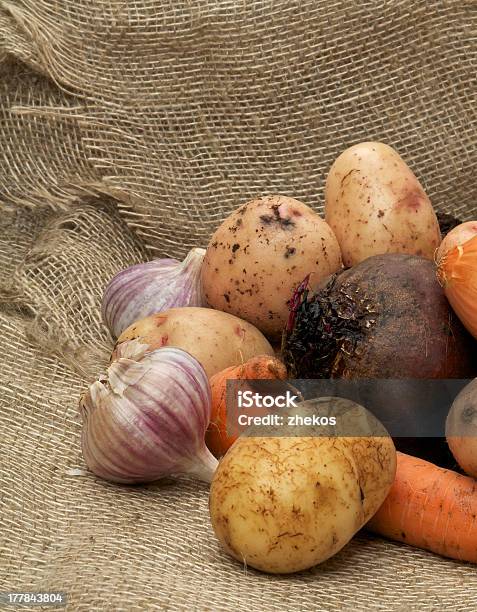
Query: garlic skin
x,y
147,417
149,288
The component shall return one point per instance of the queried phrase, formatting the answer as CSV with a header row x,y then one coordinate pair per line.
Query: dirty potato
x,y
216,339
376,205
259,255
284,504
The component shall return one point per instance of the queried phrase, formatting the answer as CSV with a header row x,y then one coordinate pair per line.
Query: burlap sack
x,y
181,111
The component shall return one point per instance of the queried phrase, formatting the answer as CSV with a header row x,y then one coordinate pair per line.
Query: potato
x,y
216,339
284,504
461,429
376,205
259,255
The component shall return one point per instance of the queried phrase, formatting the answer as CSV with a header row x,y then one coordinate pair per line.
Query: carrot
x,y
262,367
431,508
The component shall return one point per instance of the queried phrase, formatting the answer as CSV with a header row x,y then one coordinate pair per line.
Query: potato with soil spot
x,y
375,205
216,339
284,504
259,255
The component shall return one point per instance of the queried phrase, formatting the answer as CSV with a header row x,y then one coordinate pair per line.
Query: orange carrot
x,y
430,508
262,367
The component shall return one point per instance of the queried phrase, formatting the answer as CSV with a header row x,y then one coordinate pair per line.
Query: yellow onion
x,y
459,235
457,272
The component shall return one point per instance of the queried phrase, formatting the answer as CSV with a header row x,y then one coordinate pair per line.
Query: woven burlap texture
x,y
184,109
140,548
181,110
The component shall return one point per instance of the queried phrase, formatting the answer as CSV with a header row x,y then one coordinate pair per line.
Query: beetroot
x,y
387,317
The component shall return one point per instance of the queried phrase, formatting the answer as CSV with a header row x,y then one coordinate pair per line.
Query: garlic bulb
x,y
147,418
148,288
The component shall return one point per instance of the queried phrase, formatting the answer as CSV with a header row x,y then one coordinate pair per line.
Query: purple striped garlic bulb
x,y
149,288
147,417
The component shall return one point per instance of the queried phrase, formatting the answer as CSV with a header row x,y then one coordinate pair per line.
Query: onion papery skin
x,y
457,236
457,272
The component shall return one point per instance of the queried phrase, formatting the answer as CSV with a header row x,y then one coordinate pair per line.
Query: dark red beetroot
x,y
387,317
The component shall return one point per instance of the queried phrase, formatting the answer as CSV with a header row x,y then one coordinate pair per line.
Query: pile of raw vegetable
x,y
371,292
